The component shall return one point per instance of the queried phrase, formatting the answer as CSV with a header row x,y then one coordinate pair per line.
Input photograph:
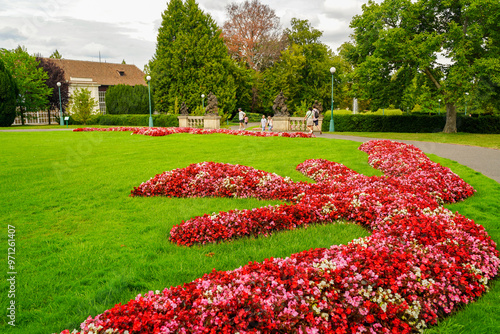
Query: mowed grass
x,y
83,245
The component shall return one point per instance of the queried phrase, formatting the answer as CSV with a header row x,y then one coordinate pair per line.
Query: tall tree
x,y
191,59
55,74
29,78
303,71
400,40
8,92
253,34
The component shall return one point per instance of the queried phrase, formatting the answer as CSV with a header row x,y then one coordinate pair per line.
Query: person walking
x,y
241,117
263,122
309,120
269,123
315,118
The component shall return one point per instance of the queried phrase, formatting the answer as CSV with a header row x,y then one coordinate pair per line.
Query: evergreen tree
x,y
191,59
8,92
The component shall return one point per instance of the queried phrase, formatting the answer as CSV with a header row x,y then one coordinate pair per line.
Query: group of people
x,y
264,122
311,119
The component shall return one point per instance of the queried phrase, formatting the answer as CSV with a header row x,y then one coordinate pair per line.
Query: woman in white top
x,y
309,120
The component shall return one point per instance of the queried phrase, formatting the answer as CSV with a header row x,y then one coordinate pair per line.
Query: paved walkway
x,y
484,160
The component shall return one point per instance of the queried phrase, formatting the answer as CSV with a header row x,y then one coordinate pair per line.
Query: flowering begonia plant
x,y
421,262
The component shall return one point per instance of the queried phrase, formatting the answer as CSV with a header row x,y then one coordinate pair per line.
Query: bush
x,y
132,120
410,123
123,99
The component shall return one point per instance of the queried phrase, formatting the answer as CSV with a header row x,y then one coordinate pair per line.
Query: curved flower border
x,y
158,132
421,262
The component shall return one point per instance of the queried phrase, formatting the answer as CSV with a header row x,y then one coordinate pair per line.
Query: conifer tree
x,y
191,59
8,92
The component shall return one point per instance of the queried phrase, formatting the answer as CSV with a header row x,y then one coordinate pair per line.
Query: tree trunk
x,y
451,118
48,114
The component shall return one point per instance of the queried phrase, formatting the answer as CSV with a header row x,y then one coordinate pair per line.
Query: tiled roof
x,y
102,73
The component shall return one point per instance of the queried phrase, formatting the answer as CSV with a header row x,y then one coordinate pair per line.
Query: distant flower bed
x,y
419,264
157,132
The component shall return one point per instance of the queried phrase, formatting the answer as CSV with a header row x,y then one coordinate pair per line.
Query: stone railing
x,y
292,123
201,122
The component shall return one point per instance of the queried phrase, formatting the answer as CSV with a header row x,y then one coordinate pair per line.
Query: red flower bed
x,y
158,132
420,263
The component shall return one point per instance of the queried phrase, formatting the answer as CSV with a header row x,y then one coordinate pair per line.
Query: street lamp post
x,y
332,127
439,110
61,120
148,78
203,102
466,95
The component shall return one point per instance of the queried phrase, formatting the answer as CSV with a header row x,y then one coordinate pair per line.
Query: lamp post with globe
x,y
332,127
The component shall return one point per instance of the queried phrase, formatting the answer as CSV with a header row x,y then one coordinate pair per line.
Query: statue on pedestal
x,y
212,108
184,109
279,107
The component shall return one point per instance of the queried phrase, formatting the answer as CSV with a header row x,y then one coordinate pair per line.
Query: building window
x,y
102,101
122,73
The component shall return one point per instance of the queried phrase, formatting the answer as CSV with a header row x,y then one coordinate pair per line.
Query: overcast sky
x,y
127,30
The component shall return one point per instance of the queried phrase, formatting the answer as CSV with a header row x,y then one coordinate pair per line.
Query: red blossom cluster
x,y
421,262
158,132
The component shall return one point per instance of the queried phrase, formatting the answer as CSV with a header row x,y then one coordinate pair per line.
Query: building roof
x,y
106,74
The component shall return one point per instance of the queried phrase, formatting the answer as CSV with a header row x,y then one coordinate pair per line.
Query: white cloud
x,y
128,29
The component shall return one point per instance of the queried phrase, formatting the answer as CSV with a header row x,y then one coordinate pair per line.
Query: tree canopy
x,y
30,80
402,49
191,59
55,74
303,71
253,34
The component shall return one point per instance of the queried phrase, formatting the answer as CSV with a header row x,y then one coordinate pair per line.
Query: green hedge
x,y
132,120
410,123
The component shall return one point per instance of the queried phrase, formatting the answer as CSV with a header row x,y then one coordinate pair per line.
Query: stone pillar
x,y
183,121
281,123
211,122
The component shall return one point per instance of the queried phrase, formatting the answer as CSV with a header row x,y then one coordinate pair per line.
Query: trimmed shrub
x,y
132,120
123,99
410,123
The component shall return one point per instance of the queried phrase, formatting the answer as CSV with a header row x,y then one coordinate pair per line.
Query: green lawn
x,y
83,245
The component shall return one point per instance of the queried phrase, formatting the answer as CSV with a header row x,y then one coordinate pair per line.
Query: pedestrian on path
x,y
263,122
241,117
269,123
316,119
309,120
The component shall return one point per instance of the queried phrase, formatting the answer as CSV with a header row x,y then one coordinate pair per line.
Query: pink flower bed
x,y
158,132
421,262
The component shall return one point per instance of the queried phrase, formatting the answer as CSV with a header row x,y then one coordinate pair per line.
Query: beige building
x,y
94,76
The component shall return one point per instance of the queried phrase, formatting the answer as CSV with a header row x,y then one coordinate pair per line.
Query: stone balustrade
x,y
201,122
